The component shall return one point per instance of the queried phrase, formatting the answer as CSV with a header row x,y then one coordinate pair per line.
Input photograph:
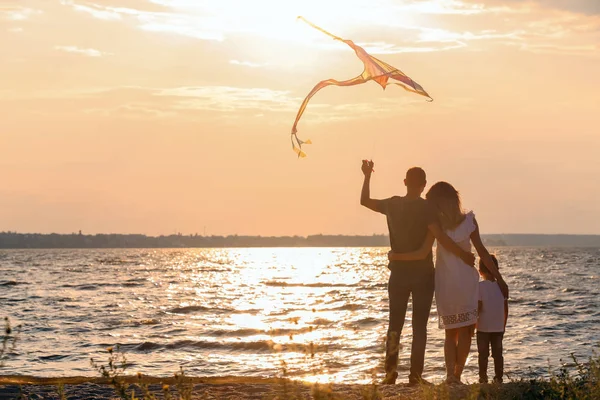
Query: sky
x,y
165,116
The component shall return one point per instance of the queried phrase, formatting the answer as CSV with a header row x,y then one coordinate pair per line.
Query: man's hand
x,y
365,193
468,258
367,167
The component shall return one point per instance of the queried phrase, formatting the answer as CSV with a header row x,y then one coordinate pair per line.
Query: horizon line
x,y
80,232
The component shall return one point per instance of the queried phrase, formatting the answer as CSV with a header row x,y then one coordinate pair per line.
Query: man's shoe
x,y
418,381
390,378
497,380
483,380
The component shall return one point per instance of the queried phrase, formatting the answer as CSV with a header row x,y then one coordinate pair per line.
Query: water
x,y
243,312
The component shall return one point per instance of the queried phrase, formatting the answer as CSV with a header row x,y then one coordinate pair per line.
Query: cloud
x,y
95,10
225,98
389,48
130,110
193,102
202,103
79,50
16,13
590,7
584,50
446,36
246,64
422,25
164,24
218,20
432,40
151,17
442,7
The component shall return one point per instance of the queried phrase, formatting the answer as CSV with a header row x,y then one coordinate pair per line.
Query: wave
x,y
189,309
252,332
82,287
317,284
11,283
131,284
54,357
195,309
262,346
216,310
135,322
369,321
215,270
377,286
346,307
115,261
322,321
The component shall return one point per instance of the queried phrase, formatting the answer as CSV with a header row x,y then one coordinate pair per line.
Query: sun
x,y
277,19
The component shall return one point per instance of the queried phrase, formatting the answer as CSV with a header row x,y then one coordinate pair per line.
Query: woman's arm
x,y
444,240
487,259
505,312
414,255
479,308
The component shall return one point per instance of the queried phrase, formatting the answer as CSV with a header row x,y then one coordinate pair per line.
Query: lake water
x,y
244,312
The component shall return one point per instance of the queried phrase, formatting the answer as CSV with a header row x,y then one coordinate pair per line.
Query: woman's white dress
x,y
456,283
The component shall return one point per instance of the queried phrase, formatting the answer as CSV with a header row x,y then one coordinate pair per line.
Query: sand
x,y
12,387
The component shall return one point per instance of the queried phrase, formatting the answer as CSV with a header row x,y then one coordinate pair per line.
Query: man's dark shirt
x,y
408,221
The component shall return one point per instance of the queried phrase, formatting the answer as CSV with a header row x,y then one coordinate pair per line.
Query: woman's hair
x,y
446,200
485,269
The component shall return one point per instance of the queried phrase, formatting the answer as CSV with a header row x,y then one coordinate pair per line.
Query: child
x,y
491,322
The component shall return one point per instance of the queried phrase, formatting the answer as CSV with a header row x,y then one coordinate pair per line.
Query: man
x,y
409,219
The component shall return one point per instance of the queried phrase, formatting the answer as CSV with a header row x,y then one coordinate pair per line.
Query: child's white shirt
x,y
491,317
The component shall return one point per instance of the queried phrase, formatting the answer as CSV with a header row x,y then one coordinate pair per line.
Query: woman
x,y
456,283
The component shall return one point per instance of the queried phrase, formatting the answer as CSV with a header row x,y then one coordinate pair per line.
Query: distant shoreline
x,y
13,240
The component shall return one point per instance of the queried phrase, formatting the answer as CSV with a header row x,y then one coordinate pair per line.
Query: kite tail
x,y
297,145
296,142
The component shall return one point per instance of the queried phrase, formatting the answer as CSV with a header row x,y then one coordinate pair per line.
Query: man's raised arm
x,y
365,194
445,241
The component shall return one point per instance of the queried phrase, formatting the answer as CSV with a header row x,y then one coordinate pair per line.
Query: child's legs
x,y
496,340
483,348
462,349
450,350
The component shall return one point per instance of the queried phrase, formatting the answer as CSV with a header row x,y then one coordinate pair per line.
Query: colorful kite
x,y
375,70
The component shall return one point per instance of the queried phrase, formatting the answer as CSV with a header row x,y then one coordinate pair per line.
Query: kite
x,y
375,70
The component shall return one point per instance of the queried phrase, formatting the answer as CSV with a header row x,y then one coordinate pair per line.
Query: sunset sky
x,y
163,116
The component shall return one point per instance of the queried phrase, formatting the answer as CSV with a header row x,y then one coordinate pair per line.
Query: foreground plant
x,y
114,373
9,342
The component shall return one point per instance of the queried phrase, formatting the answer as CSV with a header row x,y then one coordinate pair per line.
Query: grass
x,y
8,342
114,373
573,381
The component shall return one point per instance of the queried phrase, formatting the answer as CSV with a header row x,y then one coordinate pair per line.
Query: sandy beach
x,y
212,388
230,388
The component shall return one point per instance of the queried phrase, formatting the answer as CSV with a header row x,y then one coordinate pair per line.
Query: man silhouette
x,y
409,219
